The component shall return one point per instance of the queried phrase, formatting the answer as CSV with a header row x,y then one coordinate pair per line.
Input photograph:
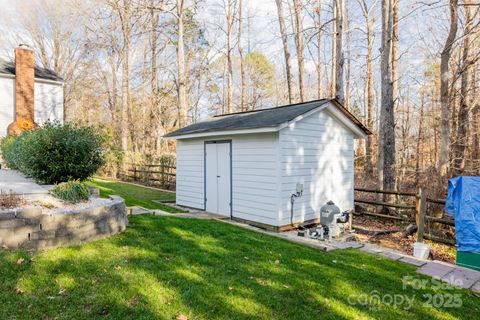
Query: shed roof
x,y
262,118
8,67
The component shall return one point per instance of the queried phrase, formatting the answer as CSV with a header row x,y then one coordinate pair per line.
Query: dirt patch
x,y
396,240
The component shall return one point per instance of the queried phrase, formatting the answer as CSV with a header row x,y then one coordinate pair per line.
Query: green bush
x,y
71,191
6,148
55,152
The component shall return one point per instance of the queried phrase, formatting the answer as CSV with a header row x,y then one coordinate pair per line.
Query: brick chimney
x,y
24,90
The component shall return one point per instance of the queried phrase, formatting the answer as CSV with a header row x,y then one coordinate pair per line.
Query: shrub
x,y
71,191
56,152
6,148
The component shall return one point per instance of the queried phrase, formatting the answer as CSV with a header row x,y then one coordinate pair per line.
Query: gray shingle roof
x,y
263,118
8,67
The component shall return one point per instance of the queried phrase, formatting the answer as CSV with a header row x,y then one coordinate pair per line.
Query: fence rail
x,y
422,219
159,175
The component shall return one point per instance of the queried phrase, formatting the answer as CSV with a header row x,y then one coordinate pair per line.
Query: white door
x,y
217,178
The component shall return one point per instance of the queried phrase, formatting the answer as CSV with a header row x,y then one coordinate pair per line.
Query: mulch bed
x,y
396,240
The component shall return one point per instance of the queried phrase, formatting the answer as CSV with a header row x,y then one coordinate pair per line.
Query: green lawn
x,y
162,267
134,195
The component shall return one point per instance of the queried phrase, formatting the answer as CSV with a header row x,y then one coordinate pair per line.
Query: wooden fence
x,y
420,208
159,175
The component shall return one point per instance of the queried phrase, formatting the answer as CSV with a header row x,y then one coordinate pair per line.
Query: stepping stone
x,y
139,210
371,248
340,245
462,277
476,287
413,261
392,255
436,269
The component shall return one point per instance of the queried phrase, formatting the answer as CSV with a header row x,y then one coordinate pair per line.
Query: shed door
x,y
217,178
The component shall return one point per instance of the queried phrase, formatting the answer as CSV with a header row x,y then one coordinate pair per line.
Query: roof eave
x,y
37,79
220,133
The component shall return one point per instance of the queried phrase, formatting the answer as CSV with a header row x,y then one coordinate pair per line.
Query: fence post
x,y
134,172
420,210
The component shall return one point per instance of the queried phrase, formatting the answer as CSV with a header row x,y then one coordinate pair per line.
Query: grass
x,y
134,195
163,267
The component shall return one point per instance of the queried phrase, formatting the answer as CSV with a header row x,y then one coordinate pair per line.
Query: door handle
x,y
218,176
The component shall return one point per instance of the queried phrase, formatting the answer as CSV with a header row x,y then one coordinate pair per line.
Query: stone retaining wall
x,y
30,229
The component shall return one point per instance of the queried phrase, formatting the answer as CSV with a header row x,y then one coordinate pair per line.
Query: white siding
x,y
48,102
7,93
190,173
255,175
317,151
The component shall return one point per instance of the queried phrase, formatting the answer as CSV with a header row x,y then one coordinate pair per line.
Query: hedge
x,y
55,153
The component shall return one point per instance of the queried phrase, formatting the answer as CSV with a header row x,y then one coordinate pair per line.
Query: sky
x,y
422,30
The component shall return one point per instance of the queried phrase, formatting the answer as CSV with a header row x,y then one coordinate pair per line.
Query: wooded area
x,y
139,68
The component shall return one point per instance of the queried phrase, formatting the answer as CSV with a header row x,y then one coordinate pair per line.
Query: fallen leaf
x,y
334,261
246,258
277,261
133,301
62,291
18,290
20,261
181,317
285,286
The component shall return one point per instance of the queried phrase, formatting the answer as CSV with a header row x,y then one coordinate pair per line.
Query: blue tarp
x,y
463,203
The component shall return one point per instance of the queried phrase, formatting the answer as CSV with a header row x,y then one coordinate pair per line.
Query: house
x,y
29,95
247,165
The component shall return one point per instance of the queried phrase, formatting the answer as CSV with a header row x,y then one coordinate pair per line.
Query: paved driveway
x,y
12,180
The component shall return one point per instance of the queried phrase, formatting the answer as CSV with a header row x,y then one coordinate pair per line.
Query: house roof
x,y
8,67
262,118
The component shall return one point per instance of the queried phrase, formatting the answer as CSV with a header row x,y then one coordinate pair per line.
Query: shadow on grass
x,y
162,267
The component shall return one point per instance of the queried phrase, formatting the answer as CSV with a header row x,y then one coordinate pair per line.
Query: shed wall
x,y
255,175
317,151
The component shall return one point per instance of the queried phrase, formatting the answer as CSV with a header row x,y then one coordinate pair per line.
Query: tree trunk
x,y
387,119
182,82
124,14
339,59
243,95
229,56
286,50
153,77
445,89
394,57
319,49
299,47
370,102
334,49
463,111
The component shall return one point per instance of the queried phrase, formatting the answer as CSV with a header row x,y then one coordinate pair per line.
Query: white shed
x,y
247,165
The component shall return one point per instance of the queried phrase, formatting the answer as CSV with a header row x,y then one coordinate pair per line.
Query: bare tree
x,y
445,89
386,161
339,56
319,31
465,103
230,12
369,88
297,8
243,94
181,72
286,50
